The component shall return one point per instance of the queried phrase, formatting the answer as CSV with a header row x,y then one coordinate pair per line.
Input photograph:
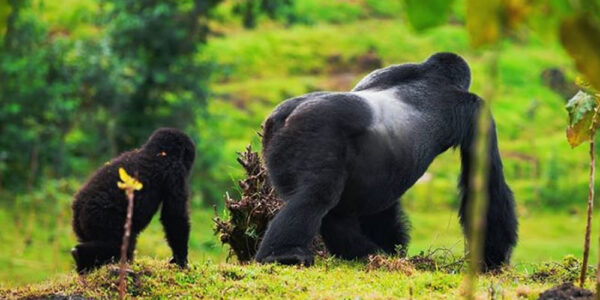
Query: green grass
x,y
328,279
544,236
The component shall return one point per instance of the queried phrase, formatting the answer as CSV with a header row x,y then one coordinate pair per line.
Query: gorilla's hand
x,y
181,262
292,256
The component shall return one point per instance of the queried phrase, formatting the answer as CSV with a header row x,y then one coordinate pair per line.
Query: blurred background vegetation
x,y
83,80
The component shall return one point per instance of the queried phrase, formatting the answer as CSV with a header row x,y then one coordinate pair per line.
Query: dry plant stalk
x,y
478,182
129,185
125,245
392,264
590,209
250,215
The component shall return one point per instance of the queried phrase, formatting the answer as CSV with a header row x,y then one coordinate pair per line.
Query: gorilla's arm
x,y
501,222
175,217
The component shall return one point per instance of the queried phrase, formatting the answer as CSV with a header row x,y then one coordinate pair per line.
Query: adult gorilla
x,y
340,161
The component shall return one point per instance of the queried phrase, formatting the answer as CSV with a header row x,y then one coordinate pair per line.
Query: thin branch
x,y
125,245
590,208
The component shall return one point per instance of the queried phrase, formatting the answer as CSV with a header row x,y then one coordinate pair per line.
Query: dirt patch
x,y
566,291
361,63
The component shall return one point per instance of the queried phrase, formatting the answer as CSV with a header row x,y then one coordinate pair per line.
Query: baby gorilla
x,y
162,165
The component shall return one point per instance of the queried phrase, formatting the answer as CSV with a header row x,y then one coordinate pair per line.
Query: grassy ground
x,y
544,237
328,279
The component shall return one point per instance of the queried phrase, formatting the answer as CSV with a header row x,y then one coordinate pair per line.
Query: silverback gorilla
x,y
162,164
340,161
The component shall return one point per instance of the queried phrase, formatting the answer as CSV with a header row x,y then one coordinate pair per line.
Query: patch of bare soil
x,y
566,291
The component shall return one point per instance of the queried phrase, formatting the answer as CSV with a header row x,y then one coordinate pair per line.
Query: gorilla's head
x,y
173,144
452,67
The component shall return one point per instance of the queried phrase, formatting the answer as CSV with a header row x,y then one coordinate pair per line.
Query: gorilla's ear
x,y
452,67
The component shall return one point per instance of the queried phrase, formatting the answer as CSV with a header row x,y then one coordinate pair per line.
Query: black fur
x,y
162,165
340,161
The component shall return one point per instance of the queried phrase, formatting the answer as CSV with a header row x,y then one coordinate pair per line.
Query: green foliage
x,y
250,10
386,9
426,14
117,87
334,11
155,43
5,11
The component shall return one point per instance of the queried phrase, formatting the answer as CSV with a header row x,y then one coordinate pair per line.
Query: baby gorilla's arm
x,y
175,219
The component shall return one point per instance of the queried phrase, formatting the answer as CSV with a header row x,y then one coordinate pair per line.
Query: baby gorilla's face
x,y
188,155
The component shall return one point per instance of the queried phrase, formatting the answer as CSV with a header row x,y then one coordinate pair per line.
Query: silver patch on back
x,y
391,115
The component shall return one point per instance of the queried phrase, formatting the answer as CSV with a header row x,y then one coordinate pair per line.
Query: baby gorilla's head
x,y
451,66
173,144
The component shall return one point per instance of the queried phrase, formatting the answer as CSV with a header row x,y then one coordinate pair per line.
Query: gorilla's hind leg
x,y
343,237
306,162
388,229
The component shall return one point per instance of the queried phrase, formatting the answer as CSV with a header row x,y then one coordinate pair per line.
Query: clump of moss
x,y
246,219
566,271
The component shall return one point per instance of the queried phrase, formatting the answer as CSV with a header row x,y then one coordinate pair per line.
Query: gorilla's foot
x,y
182,263
289,256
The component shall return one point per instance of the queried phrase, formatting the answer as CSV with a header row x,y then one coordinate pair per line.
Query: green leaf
x,y
581,37
582,123
484,21
424,14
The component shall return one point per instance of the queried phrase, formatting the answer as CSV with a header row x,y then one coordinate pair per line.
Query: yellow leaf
x,y
484,21
128,182
580,132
